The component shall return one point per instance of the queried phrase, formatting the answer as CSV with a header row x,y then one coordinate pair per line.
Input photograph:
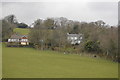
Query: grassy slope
x,y
22,31
27,62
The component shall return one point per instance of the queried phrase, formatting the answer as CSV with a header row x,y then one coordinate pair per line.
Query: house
x,y
24,40
17,39
74,38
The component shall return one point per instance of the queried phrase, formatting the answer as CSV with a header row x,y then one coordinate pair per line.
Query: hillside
x,y
22,31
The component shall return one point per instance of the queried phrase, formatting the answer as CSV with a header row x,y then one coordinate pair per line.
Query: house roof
x,y
74,35
17,36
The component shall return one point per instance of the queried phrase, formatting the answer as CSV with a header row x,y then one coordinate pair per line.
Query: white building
x,y
17,39
74,38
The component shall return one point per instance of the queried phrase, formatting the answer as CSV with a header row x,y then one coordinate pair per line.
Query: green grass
x,y
31,63
22,31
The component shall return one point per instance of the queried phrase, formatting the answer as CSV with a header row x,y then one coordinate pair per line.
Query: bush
x,y
92,46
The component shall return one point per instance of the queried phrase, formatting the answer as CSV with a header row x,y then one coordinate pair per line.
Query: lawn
x,y
22,31
31,63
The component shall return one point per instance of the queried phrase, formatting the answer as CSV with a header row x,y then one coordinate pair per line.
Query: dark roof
x,y
74,35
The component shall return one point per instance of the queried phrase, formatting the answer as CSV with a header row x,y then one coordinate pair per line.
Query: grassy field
x,y
22,31
31,63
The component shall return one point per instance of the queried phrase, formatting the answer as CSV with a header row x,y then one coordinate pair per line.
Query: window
x,y
71,37
79,42
75,38
24,40
9,40
80,37
14,40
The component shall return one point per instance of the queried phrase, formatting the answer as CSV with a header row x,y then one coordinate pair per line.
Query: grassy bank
x,y
22,31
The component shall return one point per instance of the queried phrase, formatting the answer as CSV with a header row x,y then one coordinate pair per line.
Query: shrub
x,y
92,46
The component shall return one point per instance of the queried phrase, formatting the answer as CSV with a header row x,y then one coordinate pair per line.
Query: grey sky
x,y
81,11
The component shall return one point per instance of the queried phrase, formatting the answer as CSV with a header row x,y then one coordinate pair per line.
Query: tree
x,y
39,23
8,24
75,29
11,19
109,41
49,23
7,29
100,23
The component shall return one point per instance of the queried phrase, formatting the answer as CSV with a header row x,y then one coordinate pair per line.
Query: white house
x,y
17,39
74,38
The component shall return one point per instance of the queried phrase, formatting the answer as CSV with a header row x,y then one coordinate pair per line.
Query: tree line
x,y
99,38
51,33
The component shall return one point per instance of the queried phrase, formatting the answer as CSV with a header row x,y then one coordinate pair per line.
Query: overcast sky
x,y
28,12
